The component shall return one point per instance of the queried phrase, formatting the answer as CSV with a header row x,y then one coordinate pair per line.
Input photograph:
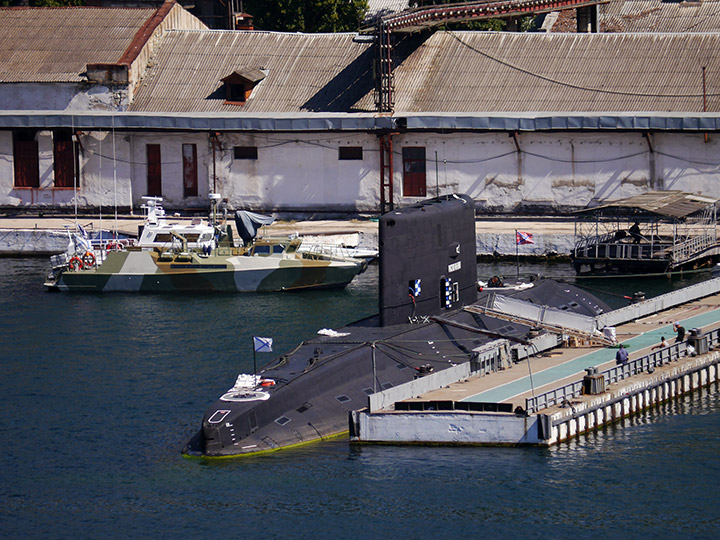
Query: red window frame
x,y
66,163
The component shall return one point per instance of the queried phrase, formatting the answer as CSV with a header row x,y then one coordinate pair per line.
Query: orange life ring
x,y
88,259
75,263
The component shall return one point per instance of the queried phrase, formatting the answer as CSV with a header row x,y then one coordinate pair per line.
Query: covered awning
x,y
658,204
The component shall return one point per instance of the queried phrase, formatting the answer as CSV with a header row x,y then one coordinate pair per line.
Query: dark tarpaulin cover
x,y
248,223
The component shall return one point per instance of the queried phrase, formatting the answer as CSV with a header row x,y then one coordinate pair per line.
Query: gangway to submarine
x,y
554,320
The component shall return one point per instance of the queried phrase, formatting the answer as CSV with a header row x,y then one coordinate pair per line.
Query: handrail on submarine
x,y
494,308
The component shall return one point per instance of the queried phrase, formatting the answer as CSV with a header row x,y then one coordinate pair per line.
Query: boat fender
x,y
75,263
88,259
267,382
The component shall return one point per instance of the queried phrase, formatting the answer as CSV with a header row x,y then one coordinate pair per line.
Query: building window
x,y
189,157
350,152
236,93
245,152
154,171
414,171
25,159
66,164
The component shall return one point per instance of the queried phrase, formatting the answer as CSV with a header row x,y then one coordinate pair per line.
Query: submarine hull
x,y
428,273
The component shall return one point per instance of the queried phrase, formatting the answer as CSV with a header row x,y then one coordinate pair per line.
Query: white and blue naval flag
x,y
262,344
415,288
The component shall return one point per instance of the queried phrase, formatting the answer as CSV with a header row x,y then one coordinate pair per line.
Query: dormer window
x,y
239,84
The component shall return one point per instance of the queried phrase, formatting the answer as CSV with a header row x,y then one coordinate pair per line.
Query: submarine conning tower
x,y
428,262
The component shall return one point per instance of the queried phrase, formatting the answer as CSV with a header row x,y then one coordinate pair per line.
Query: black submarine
x,y
428,272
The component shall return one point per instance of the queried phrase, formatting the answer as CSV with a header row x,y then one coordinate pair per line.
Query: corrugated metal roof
x,y
378,8
667,204
448,72
482,71
660,16
309,72
55,44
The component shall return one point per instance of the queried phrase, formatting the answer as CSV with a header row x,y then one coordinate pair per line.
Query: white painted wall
x,y
561,170
172,167
7,195
301,171
62,97
106,171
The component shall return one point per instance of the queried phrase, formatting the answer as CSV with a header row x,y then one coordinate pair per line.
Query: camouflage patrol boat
x,y
197,257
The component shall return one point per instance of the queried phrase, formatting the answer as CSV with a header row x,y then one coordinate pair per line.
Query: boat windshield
x,y
267,249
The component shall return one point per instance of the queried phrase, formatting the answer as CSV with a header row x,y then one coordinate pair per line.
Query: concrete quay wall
x,y
445,427
543,429
494,237
631,398
32,242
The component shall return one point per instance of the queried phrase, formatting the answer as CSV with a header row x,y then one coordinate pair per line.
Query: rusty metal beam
x,y
421,18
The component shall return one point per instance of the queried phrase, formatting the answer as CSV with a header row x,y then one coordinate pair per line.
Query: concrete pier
x,y
33,235
548,399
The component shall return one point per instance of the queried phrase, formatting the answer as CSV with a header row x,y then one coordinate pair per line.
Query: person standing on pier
x,y
677,327
622,355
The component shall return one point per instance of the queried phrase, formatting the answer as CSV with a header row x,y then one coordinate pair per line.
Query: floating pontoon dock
x,y
657,231
559,393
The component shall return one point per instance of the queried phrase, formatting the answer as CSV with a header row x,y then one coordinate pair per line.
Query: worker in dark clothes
x,y
635,233
622,355
677,327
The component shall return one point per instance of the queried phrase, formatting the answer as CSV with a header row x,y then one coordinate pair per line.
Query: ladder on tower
x,y
386,173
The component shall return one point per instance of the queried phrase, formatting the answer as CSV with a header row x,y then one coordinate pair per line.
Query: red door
x,y
190,183
154,171
414,184
25,158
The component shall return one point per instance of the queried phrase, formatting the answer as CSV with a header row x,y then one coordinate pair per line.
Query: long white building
x,y
157,104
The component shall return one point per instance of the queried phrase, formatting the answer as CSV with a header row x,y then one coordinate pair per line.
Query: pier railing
x,y
684,251
605,248
644,364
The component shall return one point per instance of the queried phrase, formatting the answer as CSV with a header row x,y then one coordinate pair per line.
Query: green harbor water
x,y
99,393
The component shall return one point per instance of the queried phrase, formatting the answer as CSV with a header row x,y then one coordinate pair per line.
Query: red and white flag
x,y
523,238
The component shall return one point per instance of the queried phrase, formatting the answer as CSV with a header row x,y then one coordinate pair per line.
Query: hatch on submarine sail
x,y
428,272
